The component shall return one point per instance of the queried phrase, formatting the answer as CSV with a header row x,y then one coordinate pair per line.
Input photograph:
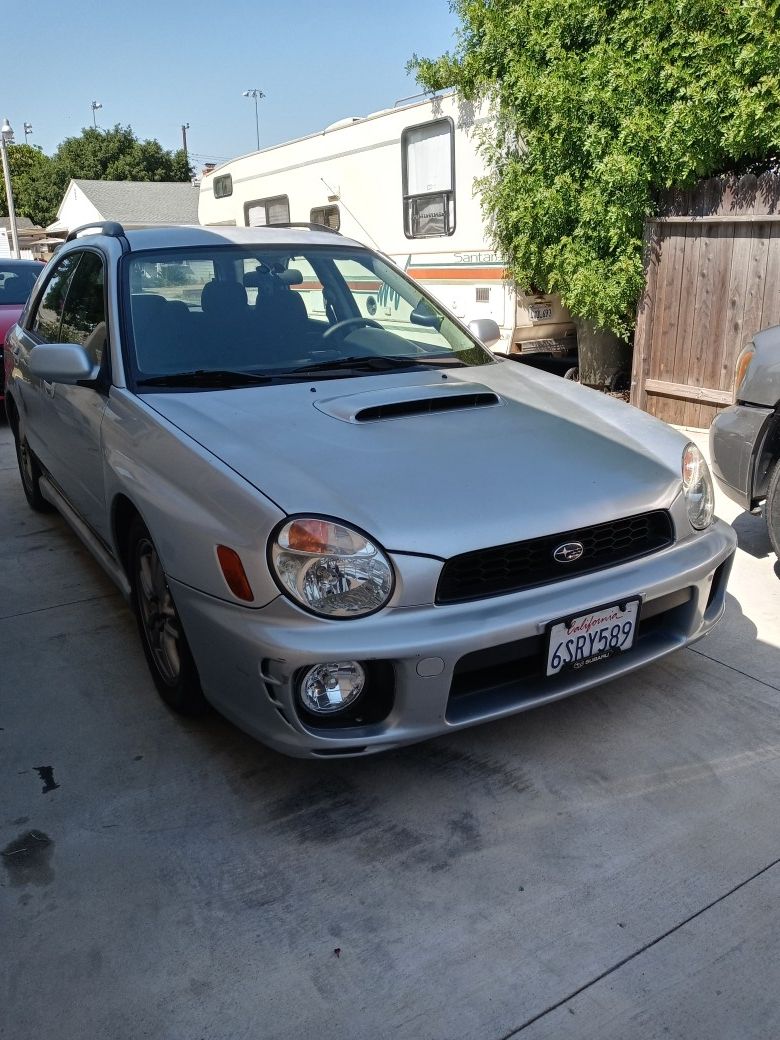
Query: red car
x,y
17,277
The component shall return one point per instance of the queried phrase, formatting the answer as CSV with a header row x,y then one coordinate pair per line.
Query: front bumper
x,y
735,434
453,666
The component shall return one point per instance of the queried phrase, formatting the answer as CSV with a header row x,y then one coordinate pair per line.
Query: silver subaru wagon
x,y
338,517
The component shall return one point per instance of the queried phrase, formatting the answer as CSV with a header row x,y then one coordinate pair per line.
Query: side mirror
x,y
486,331
62,363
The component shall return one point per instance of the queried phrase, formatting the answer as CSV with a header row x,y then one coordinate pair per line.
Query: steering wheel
x,y
348,323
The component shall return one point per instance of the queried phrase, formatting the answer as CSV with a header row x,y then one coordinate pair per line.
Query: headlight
x,y
697,488
330,568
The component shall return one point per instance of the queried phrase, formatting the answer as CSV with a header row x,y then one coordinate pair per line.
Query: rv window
x,y
428,153
223,186
267,211
328,216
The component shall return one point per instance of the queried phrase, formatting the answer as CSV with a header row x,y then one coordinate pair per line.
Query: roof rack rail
x,y
112,228
303,224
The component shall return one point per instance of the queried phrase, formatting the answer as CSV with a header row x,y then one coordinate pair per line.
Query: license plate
x,y
587,638
539,312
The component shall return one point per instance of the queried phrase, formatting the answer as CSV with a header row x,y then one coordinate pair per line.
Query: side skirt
x,y
87,536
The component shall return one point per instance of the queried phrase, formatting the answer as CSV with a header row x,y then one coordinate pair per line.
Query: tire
x,y
162,635
30,472
619,382
772,508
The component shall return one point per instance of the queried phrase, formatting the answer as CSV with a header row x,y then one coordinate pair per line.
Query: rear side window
x,y
48,316
428,156
262,212
84,316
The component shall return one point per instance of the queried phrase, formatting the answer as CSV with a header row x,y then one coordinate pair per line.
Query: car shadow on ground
x,y
752,535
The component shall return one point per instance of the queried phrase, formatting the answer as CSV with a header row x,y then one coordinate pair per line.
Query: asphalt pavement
x,y
604,867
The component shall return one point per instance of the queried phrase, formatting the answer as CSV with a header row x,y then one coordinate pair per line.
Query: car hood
x,y
549,456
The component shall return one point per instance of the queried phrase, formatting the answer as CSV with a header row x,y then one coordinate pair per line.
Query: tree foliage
x,y
39,181
601,104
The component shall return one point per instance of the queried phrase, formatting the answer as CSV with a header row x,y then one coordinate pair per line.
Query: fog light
x,y
327,688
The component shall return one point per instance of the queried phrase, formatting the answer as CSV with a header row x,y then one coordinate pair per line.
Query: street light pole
x,y
6,138
95,106
27,131
256,94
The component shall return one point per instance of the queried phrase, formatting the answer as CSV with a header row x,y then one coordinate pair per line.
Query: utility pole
x,y
184,128
95,106
27,131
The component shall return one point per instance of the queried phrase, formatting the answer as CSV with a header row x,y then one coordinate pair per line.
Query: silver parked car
x,y
338,517
745,439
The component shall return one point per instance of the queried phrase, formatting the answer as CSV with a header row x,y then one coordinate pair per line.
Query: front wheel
x,y
772,508
162,635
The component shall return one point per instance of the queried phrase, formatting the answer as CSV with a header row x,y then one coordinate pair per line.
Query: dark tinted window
x,y
84,317
16,282
46,323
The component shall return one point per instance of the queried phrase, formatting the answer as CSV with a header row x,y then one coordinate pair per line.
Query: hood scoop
x,y
400,402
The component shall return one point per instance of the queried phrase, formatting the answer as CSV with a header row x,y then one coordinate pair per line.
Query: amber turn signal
x,y
234,573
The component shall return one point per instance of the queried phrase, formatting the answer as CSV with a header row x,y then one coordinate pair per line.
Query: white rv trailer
x,y
401,180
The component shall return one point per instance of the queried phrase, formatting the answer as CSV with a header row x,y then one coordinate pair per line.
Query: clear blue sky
x,y
156,65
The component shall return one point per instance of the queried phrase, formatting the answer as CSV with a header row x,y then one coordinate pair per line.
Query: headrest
x,y
147,304
222,296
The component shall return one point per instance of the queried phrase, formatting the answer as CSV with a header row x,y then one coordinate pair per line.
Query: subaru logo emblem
x,y
569,552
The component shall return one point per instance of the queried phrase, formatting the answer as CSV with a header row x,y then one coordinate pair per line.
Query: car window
x,y
16,283
393,304
84,315
46,321
276,311
176,278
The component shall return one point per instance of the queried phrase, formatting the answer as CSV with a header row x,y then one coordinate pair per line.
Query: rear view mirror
x,y
61,363
486,331
423,314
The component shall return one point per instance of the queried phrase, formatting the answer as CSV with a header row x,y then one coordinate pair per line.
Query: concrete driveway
x,y
605,867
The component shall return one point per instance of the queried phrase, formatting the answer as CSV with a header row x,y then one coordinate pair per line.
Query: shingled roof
x,y
143,202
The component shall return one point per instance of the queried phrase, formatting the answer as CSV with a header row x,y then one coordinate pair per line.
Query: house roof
x,y
143,202
22,224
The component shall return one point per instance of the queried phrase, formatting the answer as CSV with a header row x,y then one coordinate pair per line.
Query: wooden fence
x,y
712,281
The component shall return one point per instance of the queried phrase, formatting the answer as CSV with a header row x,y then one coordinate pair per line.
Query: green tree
x,y
33,184
40,181
118,155
600,105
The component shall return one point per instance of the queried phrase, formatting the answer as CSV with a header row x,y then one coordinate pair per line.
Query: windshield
x,y
225,316
17,280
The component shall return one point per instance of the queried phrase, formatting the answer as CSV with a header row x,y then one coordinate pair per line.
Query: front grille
x,y
513,675
522,565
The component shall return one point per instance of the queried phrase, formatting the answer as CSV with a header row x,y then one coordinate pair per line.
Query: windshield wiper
x,y
369,363
220,377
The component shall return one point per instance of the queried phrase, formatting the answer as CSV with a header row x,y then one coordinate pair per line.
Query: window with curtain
x,y
428,154
267,211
